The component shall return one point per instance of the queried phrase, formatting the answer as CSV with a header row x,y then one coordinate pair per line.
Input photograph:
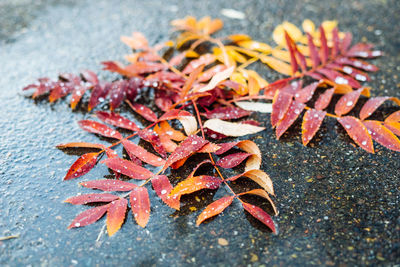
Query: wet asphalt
x,y
339,205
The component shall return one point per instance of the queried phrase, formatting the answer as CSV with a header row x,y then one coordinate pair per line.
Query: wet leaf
x,y
276,64
394,117
312,121
128,168
99,128
116,215
205,60
81,166
257,176
214,209
347,102
232,160
144,111
89,216
255,106
260,215
91,198
217,79
305,94
280,105
290,117
263,194
231,128
190,145
163,187
313,52
109,185
382,135
324,99
373,104
324,45
80,145
117,120
142,153
358,132
195,183
140,205
226,113
153,138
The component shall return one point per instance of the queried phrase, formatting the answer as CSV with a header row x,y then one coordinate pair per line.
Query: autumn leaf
x,y
195,183
257,176
263,194
80,145
358,132
142,154
260,215
116,215
109,185
231,128
312,121
99,128
163,187
91,198
382,135
89,216
82,165
128,168
117,120
140,204
214,209
232,160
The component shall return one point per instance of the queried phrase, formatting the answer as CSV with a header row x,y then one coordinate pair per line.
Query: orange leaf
x,y
264,194
140,204
277,65
257,176
196,183
358,132
214,208
116,215
163,187
82,166
383,135
80,145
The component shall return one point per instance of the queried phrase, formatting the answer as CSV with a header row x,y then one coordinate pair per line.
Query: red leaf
x,y
324,45
98,94
394,117
163,187
99,128
82,166
109,185
261,193
77,94
313,52
347,102
224,147
290,44
226,113
80,145
291,115
260,215
89,216
280,106
117,120
188,146
195,183
113,154
142,67
346,42
142,154
355,73
153,138
232,160
356,63
128,168
91,198
339,78
90,76
312,120
358,132
382,135
335,40
116,215
205,60
371,105
144,111
140,205
214,208
305,94
117,93
324,99
206,161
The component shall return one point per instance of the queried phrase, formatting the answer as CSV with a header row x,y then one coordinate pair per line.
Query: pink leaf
x,y
109,185
99,128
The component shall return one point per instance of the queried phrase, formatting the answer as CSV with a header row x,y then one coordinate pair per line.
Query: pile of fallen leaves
x,y
204,90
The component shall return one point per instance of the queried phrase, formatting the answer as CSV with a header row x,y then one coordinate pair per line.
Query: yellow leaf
x,y
254,45
329,25
279,33
277,65
253,87
238,37
308,26
281,54
247,73
236,56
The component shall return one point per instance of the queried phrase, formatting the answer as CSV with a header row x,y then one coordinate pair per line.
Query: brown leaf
x,y
257,176
214,208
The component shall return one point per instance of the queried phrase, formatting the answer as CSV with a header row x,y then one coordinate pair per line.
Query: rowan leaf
x,y
394,127
217,79
80,145
142,154
82,166
226,113
382,135
140,205
255,106
89,216
260,215
347,102
214,209
232,160
280,105
144,111
205,60
99,128
276,64
231,128
190,145
98,94
257,176
116,215
195,183
117,93
263,194
153,138
290,117
163,187
358,132
338,77
128,168
373,104
305,94
109,185
117,120
91,198
312,121
90,76
394,117
190,80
